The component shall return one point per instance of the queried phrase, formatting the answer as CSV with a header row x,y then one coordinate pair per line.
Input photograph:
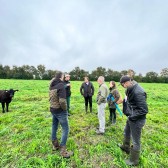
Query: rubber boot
x,y
90,109
55,144
64,153
134,158
110,117
86,109
68,112
110,120
114,121
125,146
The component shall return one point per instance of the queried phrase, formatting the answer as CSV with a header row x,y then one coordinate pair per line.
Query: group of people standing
x,y
134,107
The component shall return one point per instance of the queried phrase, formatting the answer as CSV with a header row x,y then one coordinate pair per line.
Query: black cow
x,y
6,97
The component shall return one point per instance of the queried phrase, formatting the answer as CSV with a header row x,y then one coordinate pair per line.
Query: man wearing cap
x,y
58,109
135,108
68,91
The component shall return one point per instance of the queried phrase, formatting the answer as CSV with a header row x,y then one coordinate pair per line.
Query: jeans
x,y
133,131
101,117
62,118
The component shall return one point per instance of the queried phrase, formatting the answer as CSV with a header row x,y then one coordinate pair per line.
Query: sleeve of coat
x,y
81,89
62,98
92,89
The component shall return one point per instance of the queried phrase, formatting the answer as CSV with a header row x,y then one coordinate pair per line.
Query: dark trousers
x,y
88,99
68,103
112,114
133,131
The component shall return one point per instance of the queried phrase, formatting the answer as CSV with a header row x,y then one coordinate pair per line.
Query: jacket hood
x,y
55,82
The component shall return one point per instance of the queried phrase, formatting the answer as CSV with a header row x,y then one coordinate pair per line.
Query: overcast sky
x,y
64,34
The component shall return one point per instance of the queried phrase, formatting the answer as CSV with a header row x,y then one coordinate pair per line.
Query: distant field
x,y
25,130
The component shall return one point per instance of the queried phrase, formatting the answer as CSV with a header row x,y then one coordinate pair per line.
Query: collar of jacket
x,y
101,84
131,88
112,88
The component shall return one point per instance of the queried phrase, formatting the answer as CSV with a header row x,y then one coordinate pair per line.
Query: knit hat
x,y
124,79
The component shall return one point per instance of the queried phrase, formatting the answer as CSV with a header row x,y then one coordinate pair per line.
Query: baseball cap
x,y
124,79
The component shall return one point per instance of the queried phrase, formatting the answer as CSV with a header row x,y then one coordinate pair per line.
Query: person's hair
x,y
101,78
66,75
113,82
58,75
86,78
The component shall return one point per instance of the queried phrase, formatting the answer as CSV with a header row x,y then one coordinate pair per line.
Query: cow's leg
x,y
3,107
7,105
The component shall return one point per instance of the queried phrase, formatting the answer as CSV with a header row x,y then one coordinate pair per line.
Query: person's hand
x,y
68,84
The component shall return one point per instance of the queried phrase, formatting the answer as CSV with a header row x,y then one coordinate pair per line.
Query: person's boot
x,y
125,146
86,109
114,121
64,153
110,120
134,158
90,109
55,144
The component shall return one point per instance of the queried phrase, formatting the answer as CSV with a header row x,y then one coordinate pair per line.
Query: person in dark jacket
x,y
87,91
68,91
111,103
58,109
135,108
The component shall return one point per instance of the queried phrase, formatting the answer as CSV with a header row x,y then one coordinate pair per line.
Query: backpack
x,y
120,100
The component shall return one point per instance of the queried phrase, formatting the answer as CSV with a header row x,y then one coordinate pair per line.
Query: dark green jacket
x,y
102,94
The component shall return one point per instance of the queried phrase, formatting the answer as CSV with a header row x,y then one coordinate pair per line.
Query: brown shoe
x,y
64,153
55,145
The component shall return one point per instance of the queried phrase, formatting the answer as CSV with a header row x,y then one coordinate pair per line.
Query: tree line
x,y
40,72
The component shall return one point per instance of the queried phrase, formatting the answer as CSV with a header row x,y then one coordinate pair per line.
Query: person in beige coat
x,y
101,102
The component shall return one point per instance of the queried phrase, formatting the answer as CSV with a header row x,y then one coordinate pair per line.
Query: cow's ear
x,y
16,90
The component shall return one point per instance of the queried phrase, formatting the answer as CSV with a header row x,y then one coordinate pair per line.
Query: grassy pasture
x,y
25,130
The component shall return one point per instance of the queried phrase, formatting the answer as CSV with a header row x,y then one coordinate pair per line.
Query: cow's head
x,y
12,92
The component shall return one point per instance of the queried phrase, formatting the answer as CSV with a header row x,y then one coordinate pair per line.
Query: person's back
x,y
57,97
58,109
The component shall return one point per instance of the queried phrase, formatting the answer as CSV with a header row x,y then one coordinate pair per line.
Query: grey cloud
x,y
65,34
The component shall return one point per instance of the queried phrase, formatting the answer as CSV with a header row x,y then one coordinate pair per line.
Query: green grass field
x,y
25,130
